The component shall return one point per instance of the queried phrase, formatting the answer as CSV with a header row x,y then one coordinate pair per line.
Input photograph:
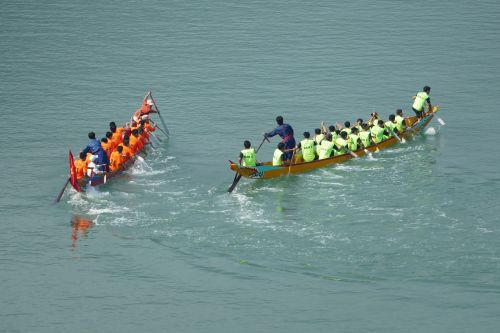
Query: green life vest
x,y
390,127
420,100
325,150
277,157
307,147
318,138
341,145
353,142
400,124
249,157
347,130
377,134
365,138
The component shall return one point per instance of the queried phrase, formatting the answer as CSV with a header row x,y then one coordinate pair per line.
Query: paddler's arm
x,y
324,129
240,158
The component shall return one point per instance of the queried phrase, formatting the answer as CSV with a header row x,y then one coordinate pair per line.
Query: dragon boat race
x,y
250,166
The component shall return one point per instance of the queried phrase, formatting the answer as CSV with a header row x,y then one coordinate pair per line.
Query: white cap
x,y
149,102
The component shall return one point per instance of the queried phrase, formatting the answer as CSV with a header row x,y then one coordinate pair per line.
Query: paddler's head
x,y
427,89
281,146
109,135
104,140
331,128
247,144
119,149
343,135
279,120
359,121
135,132
329,137
82,156
365,127
392,118
347,124
354,130
112,126
380,123
91,135
126,140
307,135
317,131
399,112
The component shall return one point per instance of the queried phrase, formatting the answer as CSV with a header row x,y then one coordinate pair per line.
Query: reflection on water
x,y
79,228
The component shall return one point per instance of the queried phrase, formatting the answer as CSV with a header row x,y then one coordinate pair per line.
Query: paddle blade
x,y
61,192
441,122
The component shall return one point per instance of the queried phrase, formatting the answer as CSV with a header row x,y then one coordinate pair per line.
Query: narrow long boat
x,y
99,179
266,170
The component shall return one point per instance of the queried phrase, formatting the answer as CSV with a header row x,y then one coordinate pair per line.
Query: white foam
x,y
430,131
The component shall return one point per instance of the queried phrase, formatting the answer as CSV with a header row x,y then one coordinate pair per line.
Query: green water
x,y
405,242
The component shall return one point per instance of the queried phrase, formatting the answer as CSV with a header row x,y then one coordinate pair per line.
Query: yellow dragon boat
x,y
266,170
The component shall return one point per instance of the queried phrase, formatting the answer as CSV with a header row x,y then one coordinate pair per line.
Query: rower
x,y
94,147
307,147
353,139
116,159
278,154
106,146
377,131
373,118
364,135
285,131
145,109
81,166
326,148
134,142
127,151
347,127
400,121
358,125
117,133
390,125
248,156
112,143
420,100
341,144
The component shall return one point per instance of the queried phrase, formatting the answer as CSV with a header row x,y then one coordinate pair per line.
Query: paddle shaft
x,y
159,114
59,196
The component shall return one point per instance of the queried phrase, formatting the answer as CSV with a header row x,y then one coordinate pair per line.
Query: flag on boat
x,y
72,173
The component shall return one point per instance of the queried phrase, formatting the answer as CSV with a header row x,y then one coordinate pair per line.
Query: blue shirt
x,y
285,131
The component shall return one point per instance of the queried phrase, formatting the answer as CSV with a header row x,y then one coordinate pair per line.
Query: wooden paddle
x,y
291,162
237,176
167,133
61,192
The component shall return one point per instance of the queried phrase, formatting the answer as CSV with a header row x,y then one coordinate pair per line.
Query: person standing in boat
x,y
248,156
420,100
94,147
285,131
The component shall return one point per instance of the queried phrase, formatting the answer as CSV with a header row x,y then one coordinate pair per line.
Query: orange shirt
x,y
115,160
81,168
149,127
145,108
106,147
127,153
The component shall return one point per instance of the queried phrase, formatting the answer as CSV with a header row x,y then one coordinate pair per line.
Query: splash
x,y
430,131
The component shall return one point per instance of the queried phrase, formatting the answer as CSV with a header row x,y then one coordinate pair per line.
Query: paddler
x,y
400,121
116,159
285,131
390,125
127,152
377,132
326,148
341,144
248,156
364,135
278,154
81,166
347,127
94,147
145,109
318,136
106,146
353,139
117,133
420,100
307,147
358,125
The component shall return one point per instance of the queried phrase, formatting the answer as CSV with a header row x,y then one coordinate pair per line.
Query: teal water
x,y
405,242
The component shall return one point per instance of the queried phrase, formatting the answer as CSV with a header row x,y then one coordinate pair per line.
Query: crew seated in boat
x,y
94,147
400,121
364,135
81,166
116,159
278,154
353,141
307,147
378,133
341,144
248,156
326,147
390,126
